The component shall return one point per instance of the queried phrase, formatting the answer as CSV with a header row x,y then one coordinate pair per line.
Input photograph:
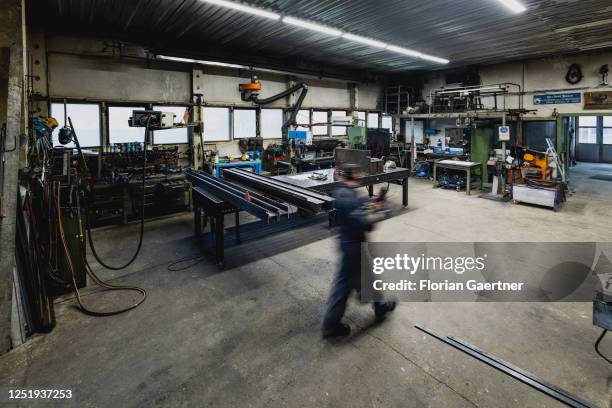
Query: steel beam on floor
x,y
511,370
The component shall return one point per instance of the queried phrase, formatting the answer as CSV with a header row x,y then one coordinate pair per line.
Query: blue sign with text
x,y
553,99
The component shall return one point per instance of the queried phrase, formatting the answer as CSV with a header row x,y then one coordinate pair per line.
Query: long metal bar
x,y
511,370
300,190
234,198
259,199
282,184
273,206
298,196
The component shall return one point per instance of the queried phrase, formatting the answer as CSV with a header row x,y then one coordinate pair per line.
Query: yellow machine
x,y
536,164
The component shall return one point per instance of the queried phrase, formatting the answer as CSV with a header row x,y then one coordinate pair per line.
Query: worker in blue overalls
x,y
355,216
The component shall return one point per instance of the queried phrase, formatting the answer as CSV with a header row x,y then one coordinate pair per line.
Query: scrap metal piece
x,y
511,370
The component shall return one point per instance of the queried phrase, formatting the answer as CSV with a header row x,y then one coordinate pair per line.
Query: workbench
x,y
254,164
209,208
468,167
400,175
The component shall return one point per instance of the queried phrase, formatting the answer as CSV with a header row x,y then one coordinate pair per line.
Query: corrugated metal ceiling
x,y
464,31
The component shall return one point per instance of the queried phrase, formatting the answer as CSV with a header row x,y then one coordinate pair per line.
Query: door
x,y
594,144
587,146
606,140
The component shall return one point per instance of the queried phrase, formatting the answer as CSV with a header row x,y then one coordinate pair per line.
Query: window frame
x,y
603,130
307,128
362,122
122,105
100,120
229,124
342,129
368,124
260,128
382,118
233,120
580,126
312,122
161,108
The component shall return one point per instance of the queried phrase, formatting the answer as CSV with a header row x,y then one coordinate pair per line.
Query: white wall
x,y
541,76
72,76
76,70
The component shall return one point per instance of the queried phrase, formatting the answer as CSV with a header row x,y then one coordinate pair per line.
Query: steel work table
x,y
254,164
326,186
209,207
468,167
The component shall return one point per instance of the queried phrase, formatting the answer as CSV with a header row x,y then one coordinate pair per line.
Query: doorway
x,y
594,139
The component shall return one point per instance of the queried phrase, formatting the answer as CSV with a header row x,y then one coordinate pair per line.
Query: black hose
x,y
603,334
296,109
92,275
291,121
142,215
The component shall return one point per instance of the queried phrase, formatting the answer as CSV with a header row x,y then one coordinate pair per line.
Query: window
x,y
86,121
587,131
118,129
319,117
303,118
362,118
418,131
387,123
172,136
372,119
245,123
607,130
216,124
271,123
339,130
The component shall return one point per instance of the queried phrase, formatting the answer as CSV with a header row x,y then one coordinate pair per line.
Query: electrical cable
x,y
603,334
90,273
142,210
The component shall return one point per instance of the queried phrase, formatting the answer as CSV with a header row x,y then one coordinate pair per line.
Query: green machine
x,y
356,136
481,141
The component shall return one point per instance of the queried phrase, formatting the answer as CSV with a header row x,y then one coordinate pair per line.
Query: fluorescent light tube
x,y
312,26
584,25
434,59
201,62
363,40
514,5
405,51
247,9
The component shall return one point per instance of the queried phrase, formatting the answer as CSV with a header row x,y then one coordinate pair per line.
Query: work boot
x,y
381,309
341,330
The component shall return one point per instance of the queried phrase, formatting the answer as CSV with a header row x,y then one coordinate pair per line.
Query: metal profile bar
x,y
236,200
261,200
517,373
233,197
273,206
265,201
297,196
269,180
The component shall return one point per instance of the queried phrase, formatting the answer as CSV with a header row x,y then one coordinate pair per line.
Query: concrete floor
x,y
249,335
